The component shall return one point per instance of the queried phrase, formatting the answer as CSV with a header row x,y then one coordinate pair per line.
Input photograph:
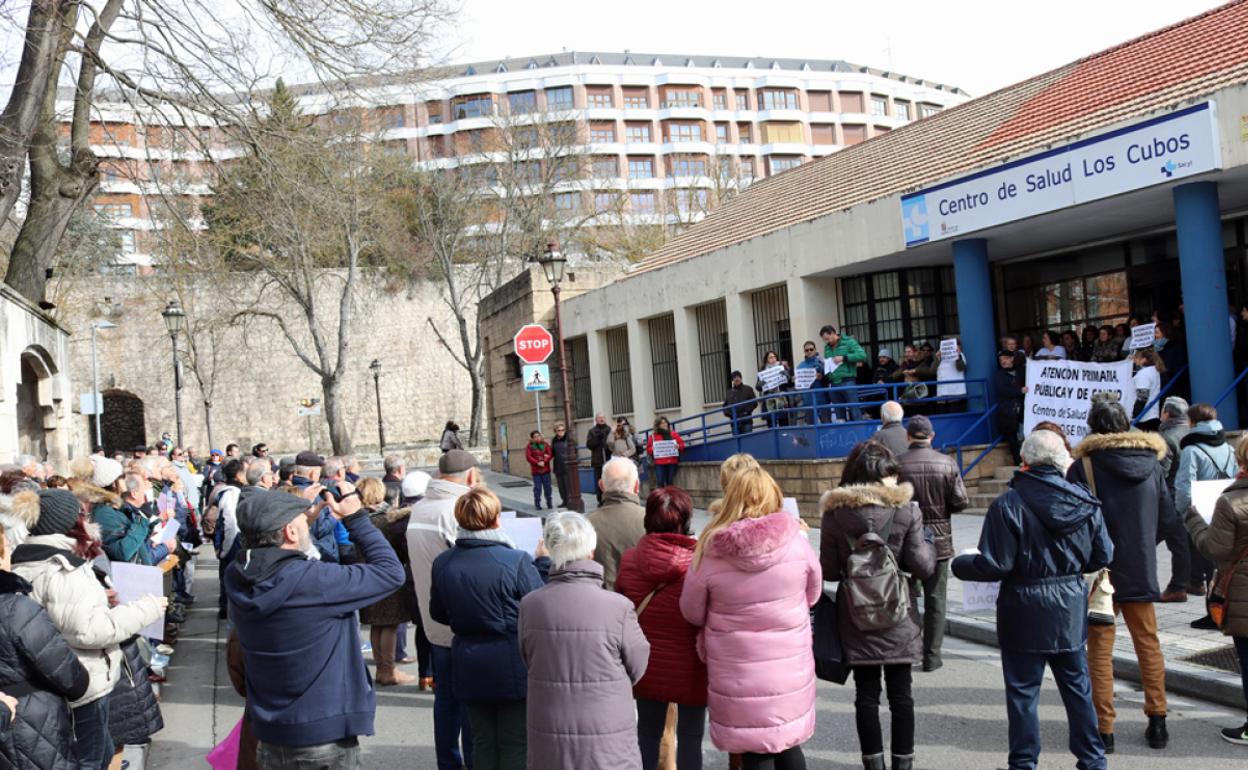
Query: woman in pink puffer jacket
x,y
753,581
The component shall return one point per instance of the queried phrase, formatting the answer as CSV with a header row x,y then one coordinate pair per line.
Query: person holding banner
x,y
842,354
774,377
1050,348
664,447
1009,391
1204,455
808,376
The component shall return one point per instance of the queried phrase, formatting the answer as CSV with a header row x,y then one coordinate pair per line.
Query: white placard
x,y
829,365
1142,336
664,449
1061,392
1152,152
133,582
789,506
1205,496
805,377
949,349
979,597
166,531
773,377
507,515
524,532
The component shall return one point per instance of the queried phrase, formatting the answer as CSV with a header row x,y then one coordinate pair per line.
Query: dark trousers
x,y
1023,675
690,724
226,560
789,759
935,590
1009,434
424,654
900,706
1177,544
1241,648
339,755
598,483
561,482
499,740
665,475
847,396
95,743
541,483
450,717
1201,570
742,425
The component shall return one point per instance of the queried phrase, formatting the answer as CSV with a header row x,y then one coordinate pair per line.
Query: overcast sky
x,y
976,44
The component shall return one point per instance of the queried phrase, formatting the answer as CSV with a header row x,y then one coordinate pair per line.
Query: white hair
x,y
891,412
333,466
619,475
569,537
255,469
1044,447
392,463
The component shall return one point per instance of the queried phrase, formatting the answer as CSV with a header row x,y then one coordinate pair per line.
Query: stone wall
x,y
260,378
36,413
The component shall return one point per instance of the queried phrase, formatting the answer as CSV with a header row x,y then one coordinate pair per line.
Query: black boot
x,y
873,762
1157,735
1108,740
903,763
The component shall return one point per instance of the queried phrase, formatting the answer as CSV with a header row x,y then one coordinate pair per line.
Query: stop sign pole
x,y
533,345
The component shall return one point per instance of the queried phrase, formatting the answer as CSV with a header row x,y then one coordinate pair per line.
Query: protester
x,y
395,470
1224,541
312,700
619,522
739,405
664,467
384,616
450,437
1039,538
652,576
951,381
1147,381
1028,345
1170,345
813,398
597,442
871,503
559,445
885,366
754,575
940,493
1050,348
774,403
1009,389
476,589
1205,455
910,363
226,541
1107,349
1122,469
415,484
1174,427
892,432
845,354
584,652
38,666
622,443
539,455
431,531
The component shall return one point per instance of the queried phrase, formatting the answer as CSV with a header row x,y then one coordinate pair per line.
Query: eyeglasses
x,y
809,350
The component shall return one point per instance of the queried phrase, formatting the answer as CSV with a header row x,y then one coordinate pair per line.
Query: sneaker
x,y
1107,739
1205,624
366,648
1174,596
1156,734
1236,735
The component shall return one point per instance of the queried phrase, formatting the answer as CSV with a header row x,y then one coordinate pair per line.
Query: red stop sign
x,y
534,344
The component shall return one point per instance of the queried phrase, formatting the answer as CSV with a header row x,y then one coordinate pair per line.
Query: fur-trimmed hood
x,y
882,495
1134,439
755,544
93,495
25,507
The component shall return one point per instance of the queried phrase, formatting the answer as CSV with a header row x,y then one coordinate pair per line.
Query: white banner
x,y
1061,392
664,449
979,597
1142,336
773,377
805,377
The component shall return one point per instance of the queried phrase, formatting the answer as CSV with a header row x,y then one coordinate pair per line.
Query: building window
x,y
559,98
114,211
879,106
602,133
771,323
637,99
127,241
682,97
719,99
435,112
822,133
522,102
779,99
902,109
472,107
820,101
606,201
779,163
599,98
928,110
391,117
619,371
898,308
783,133
747,168
744,135
663,367
641,201
713,360
606,168
851,102
691,201
721,132
688,166
582,392
640,168
743,100
567,201
854,134
684,132
637,132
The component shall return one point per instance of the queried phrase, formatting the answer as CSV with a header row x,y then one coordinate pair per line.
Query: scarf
x,y
492,535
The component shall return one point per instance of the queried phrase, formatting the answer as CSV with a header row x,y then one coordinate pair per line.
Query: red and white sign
x,y
534,344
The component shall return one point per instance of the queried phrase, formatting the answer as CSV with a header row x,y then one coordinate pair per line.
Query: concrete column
x,y
599,373
688,361
740,317
974,286
813,302
641,373
1202,271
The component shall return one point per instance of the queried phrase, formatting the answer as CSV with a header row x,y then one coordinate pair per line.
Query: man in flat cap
x,y
309,694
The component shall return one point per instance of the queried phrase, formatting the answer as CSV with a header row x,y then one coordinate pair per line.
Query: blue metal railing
x,y
1231,389
960,440
1162,394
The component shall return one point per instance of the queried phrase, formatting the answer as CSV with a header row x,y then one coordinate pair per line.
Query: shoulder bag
x,y
1100,589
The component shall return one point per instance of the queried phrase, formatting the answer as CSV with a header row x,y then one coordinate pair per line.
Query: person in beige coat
x,y
1224,541
621,520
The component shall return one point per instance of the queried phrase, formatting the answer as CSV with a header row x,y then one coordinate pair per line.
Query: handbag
x,y
830,663
1220,595
1100,589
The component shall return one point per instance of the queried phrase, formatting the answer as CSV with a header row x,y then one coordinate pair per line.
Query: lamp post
x,y
97,402
375,368
174,318
553,264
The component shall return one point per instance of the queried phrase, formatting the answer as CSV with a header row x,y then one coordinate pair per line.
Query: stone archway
x,y
123,426
34,409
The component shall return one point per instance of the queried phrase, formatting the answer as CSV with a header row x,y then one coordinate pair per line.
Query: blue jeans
x,y
541,483
847,396
450,717
95,743
1023,675
664,475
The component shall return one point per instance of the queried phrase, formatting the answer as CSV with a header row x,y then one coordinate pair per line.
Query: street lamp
x,y
553,265
174,318
375,368
97,402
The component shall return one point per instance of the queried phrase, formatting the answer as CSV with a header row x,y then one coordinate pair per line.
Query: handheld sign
x,y
789,506
949,349
1142,336
524,532
979,597
829,365
1205,496
773,377
805,377
664,449
133,582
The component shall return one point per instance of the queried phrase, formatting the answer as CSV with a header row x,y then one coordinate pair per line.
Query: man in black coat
x,y
739,405
1009,390
596,441
1122,467
1038,539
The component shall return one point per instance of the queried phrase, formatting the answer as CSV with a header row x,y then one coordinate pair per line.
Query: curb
x,y
1224,689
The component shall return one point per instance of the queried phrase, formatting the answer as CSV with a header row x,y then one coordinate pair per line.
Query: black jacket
x,y
37,667
560,447
1039,538
739,395
133,711
938,489
1137,506
1007,389
596,442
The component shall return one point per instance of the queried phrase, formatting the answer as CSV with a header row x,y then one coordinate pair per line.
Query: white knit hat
x,y
107,470
415,483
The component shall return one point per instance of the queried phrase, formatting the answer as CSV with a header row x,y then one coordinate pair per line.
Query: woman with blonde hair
x,y
755,576
727,470
383,617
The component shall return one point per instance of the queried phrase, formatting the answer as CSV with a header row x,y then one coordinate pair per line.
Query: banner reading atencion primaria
x,y
1061,392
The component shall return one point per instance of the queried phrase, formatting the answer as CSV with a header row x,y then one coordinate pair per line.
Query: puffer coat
x,y
751,595
1039,538
676,674
1222,541
397,607
76,602
584,652
851,511
133,711
39,669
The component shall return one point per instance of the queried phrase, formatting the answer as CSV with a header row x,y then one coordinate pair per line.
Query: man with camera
x,y
309,694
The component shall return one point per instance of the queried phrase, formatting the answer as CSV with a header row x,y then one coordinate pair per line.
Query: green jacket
x,y
852,354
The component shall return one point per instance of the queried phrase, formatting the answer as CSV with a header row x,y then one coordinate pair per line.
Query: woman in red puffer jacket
x,y
652,575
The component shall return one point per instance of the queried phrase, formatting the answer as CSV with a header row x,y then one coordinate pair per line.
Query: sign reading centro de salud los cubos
x,y
1161,149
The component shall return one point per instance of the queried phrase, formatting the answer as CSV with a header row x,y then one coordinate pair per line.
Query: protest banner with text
x,y
1061,392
